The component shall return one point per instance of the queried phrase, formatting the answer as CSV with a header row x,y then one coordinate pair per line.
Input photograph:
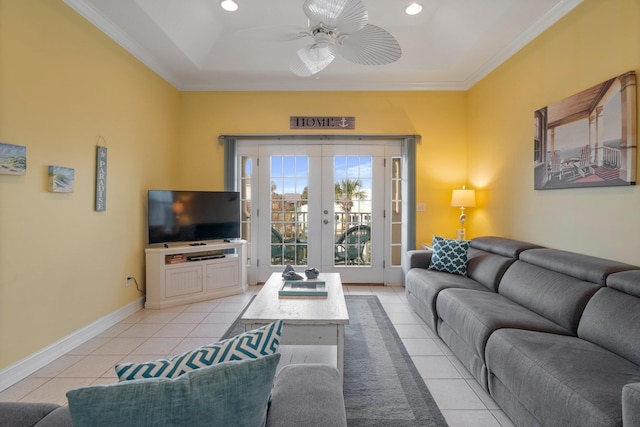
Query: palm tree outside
x,y
346,191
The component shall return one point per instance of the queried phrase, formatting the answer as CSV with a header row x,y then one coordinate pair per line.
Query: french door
x,y
328,206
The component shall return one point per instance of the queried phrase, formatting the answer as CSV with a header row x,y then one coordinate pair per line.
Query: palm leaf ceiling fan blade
x,y
345,16
312,59
370,46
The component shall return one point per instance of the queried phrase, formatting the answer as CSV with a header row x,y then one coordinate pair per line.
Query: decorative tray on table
x,y
303,289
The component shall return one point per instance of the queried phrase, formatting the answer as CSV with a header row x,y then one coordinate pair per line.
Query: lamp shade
x,y
463,198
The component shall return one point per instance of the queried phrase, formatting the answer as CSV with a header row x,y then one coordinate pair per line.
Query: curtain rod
x,y
221,138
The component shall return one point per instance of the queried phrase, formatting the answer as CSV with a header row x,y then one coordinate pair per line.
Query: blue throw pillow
x,y
249,345
449,256
226,394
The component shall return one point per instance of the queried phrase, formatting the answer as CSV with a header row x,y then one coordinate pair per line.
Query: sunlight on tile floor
x,y
152,334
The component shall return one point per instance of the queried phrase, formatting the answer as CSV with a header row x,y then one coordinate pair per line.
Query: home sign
x,y
321,122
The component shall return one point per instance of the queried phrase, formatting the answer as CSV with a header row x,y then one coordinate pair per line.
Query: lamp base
x,y
460,234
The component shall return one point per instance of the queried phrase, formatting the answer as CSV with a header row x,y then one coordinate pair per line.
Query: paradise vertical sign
x,y
101,179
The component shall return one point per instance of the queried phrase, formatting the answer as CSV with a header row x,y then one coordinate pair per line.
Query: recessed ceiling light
x,y
413,9
229,5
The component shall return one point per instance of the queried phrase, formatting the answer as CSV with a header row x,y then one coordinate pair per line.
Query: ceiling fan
x,y
340,27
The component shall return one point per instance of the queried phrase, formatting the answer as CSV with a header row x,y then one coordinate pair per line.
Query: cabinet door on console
x,y
222,275
183,281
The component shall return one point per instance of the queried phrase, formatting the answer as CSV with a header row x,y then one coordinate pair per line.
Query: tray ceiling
x,y
195,45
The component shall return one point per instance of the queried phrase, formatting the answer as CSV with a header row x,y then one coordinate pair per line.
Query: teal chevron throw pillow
x,y
225,394
249,345
449,255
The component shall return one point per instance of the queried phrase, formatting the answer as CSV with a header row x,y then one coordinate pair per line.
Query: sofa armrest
x,y
631,404
307,395
418,258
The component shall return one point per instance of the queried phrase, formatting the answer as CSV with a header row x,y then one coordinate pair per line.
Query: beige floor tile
x,y
209,330
406,318
435,367
57,366
158,346
90,366
229,307
141,330
55,390
159,316
221,317
421,347
454,394
177,330
89,346
202,307
119,346
20,389
188,344
189,317
470,418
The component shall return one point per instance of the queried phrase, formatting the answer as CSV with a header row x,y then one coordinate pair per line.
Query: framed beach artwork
x,y
13,159
588,139
61,179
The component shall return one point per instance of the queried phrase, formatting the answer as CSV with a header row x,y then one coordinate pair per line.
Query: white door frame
x,y
388,273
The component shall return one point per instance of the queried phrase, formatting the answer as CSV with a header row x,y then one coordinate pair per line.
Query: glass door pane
x,y
353,194
289,210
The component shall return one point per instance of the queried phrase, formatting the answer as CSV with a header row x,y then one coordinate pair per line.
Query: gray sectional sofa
x,y
303,395
553,336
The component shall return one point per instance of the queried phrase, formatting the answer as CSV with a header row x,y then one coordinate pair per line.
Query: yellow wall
x,y
62,84
599,40
440,117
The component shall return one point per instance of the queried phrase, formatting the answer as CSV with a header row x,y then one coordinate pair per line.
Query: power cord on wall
x,y
137,286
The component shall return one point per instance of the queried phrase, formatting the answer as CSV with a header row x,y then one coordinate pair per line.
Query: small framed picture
x,y
61,179
13,159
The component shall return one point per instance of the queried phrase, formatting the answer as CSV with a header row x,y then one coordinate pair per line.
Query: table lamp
x,y
463,199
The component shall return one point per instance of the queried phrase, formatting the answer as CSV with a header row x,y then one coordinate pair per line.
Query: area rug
x,y
382,386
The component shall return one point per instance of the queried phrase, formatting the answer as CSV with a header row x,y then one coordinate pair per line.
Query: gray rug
x,y
382,386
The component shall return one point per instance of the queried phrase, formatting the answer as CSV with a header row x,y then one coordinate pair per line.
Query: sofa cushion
x,y
626,281
560,380
487,268
425,285
631,405
249,345
474,316
231,393
555,296
296,386
501,246
582,267
28,414
449,255
612,320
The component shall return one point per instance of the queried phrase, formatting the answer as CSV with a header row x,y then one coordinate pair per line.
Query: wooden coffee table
x,y
307,321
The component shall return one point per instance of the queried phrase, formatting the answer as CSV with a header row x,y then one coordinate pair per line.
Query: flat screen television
x,y
192,216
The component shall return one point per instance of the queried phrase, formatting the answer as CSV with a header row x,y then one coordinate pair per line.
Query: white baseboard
x,y
38,360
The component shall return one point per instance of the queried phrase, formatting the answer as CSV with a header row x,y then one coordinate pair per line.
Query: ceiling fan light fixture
x,y
413,9
229,5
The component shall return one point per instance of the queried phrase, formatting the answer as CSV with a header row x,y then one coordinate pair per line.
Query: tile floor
x,y
151,334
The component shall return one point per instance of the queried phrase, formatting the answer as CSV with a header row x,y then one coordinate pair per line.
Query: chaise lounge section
x,y
553,336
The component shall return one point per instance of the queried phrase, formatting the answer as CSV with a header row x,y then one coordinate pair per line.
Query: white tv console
x,y
185,274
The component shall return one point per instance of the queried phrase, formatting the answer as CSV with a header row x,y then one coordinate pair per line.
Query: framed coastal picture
x,y
13,159
61,179
588,139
